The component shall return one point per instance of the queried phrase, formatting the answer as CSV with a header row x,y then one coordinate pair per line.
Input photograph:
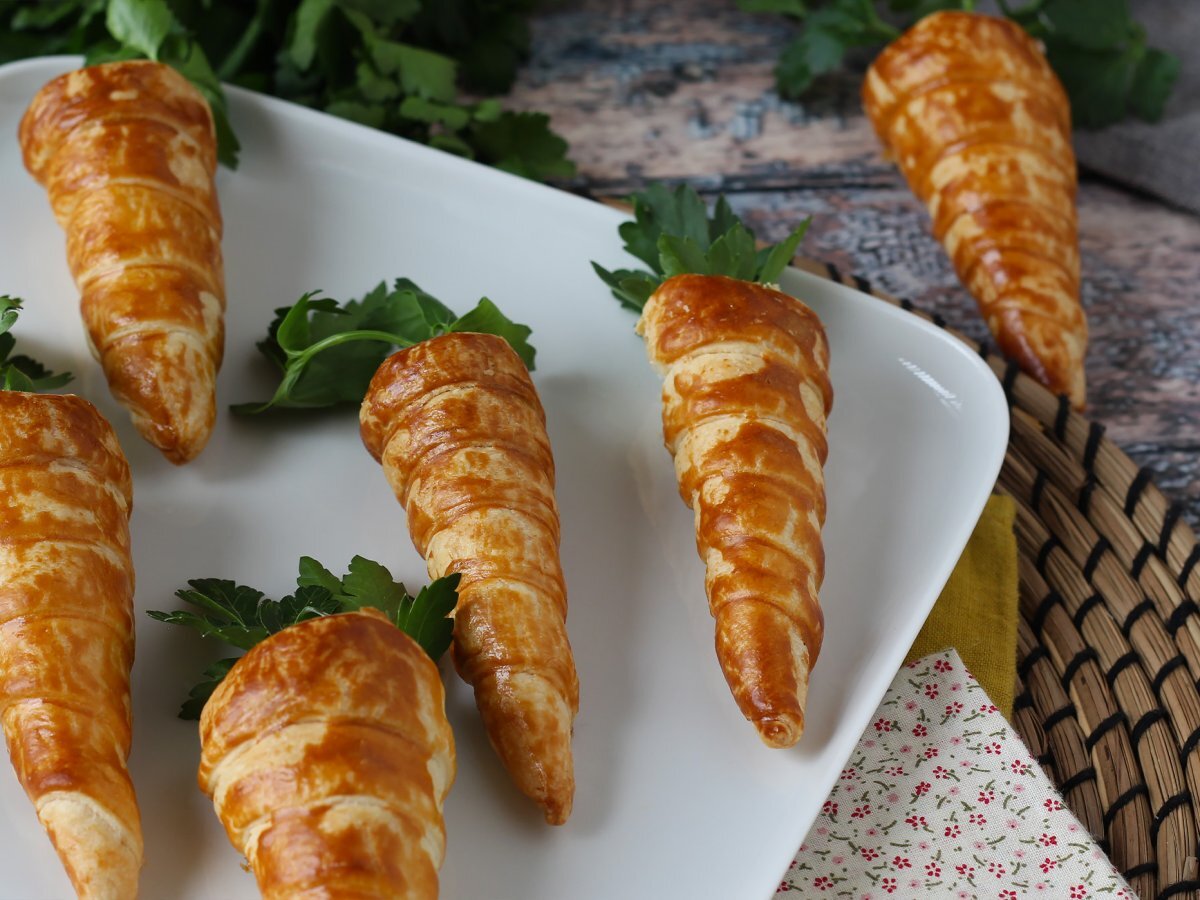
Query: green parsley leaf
x,y
397,65
21,373
1152,84
142,25
1089,24
672,233
795,8
307,24
200,693
243,616
521,143
328,351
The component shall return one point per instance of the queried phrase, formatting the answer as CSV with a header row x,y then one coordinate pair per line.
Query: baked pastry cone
x,y
66,633
127,154
328,756
460,431
746,394
981,128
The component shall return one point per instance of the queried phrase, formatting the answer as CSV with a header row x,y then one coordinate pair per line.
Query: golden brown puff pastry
x,y
746,395
981,128
461,434
66,633
327,755
127,154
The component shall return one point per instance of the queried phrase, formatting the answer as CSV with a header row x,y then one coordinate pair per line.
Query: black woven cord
x,y
1084,608
1037,654
1143,557
1146,868
1189,564
1011,371
1049,544
1046,759
1144,724
1134,494
1179,887
1138,790
906,304
1095,432
1088,774
1174,511
1057,716
1048,603
1087,654
1120,666
1085,495
1022,700
1061,418
1188,746
1169,806
1167,668
1098,550
861,283
1104,728
1180,614
1035,494
985,349
834,274
1134,614
938,320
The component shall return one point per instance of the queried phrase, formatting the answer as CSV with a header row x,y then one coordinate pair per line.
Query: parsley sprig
x,y
672,233
328,351
1098,50
243,616
21,373
398,65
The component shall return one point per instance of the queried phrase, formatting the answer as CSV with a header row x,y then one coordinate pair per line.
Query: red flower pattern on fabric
x,y
968,797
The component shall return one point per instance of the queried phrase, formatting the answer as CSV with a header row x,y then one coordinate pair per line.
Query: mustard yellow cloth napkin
x,y
976,613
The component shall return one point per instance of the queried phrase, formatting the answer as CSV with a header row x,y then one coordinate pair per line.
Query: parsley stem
x,y
301,357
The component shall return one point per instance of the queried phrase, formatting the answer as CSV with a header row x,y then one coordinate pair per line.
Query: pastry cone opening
x,y
328,757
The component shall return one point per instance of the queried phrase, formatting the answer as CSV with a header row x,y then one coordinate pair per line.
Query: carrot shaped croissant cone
x,y
981,128
328,757
746,394
66,633
127,154
460,431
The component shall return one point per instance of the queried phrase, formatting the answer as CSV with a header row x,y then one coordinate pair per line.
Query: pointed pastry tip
x,y
781,731
529,723
100,856
557,809
166,384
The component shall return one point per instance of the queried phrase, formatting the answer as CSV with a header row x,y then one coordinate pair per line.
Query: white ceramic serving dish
x,y
676,795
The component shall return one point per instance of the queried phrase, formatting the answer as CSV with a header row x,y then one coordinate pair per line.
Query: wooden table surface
x,y
684,91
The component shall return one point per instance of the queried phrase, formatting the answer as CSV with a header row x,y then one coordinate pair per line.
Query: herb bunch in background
x,y
1097,49
399,65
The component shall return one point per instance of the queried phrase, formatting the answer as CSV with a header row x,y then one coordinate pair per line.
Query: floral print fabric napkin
x,y
942,799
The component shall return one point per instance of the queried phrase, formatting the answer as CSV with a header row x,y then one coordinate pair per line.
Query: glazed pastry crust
x,y
746,395
328,757
66,633
461,434
981,128
127,154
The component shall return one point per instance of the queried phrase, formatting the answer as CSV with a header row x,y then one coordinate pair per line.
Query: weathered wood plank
x,y
685,91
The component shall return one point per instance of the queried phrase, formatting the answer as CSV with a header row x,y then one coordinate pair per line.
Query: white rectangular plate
x,y
676,796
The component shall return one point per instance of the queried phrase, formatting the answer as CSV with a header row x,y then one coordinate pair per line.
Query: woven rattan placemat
x,y
1108,649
